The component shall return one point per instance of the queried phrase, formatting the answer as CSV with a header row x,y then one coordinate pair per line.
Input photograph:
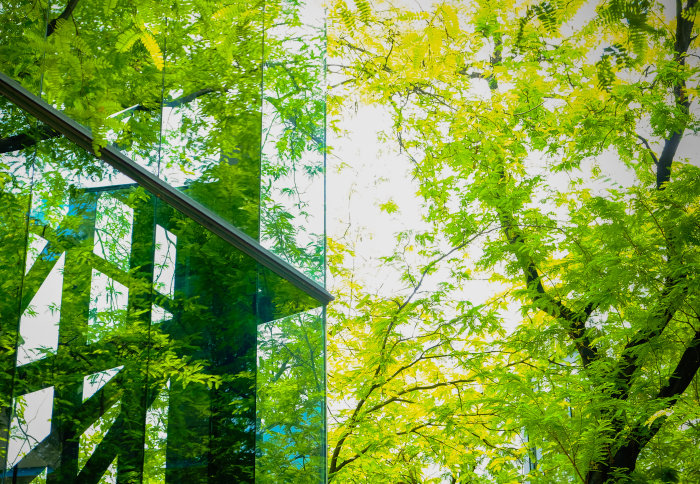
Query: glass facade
x,y
162,305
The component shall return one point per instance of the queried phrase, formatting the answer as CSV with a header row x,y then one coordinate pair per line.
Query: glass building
x,y
162,241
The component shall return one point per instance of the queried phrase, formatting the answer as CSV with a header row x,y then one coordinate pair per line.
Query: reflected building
x,y
162,242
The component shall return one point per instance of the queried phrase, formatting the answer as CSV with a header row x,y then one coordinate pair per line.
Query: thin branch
x,y
529,110
354,418
415,389
334,470
347,461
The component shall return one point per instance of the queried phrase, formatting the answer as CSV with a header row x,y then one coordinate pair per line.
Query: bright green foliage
x,y
514,114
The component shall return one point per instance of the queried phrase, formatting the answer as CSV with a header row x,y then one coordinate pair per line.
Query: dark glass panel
x,y
136,332
80,387
15,193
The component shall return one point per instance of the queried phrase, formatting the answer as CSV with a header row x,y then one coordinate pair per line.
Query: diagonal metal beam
x,y
82,137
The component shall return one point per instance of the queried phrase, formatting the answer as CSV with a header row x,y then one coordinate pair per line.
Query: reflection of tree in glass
x,y
293,147
177,87
291,399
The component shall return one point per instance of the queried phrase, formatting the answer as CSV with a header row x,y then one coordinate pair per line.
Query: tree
x,y
513,114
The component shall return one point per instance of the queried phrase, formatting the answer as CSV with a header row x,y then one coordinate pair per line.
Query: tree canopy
x,y
555,152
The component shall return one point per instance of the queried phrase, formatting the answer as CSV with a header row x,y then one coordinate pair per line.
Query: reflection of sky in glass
x,y
31,423
92,383
35,244
92,437
108,304
164,261
183,164
160,315
38,326
94,434
125,116
48,211
156,436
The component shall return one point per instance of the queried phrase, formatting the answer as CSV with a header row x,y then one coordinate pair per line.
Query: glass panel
x,y
15,191
91,274
293,151
177,87
291,399
127,69
114,223
38,326
125,325
22,39
103,67
31,423
211,113
149,369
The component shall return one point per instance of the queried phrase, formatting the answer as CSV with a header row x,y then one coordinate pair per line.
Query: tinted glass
x,y
136,345
134,350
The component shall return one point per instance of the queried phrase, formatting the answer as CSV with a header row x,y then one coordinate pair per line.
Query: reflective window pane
x,y
145,342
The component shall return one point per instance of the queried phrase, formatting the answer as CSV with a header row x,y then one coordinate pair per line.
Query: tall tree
x,y
514,115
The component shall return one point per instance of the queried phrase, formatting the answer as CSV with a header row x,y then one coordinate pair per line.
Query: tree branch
x,y
347,461
546,302
684,28
678,382
67,12
364,451
415,389
542,299
629,359
651,152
